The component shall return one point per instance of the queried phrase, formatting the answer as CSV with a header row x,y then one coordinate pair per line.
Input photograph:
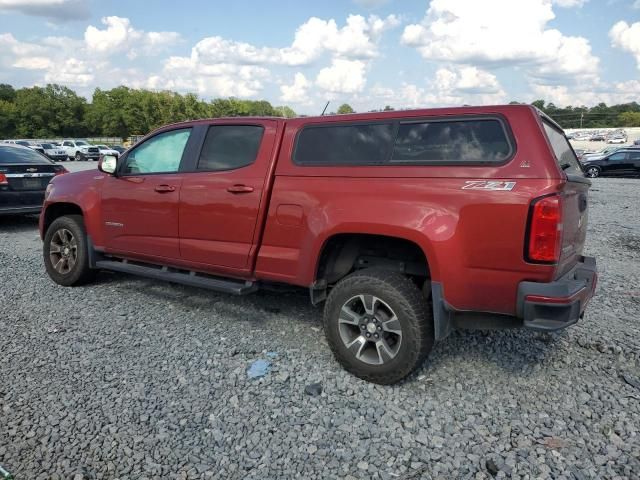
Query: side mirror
x,y
108,164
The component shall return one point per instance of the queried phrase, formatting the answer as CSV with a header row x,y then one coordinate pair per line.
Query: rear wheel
x,y
378,325
66,254
78,156
592,172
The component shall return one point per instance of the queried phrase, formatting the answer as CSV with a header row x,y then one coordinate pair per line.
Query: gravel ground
x,y
135,379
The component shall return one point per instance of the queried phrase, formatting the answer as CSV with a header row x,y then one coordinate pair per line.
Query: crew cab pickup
x,y
406,224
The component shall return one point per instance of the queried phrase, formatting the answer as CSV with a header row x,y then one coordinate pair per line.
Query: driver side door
x,y
140,203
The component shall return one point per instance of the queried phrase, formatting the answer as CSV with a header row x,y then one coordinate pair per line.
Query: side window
x,y
67,144
455,141
634,156
617,157
159,154
344,144
227,147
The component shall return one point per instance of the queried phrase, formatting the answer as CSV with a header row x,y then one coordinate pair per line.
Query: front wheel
x,y
378,325
65,251
593,172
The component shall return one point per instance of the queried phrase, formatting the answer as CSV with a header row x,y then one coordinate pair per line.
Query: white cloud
x,y
357,39
570,3
72,71
588,94
57,10
119,35
297,92
500,33
627,37
214,79
454,85
343,76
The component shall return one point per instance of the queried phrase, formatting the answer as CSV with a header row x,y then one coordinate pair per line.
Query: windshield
x,y
23,143
46,146
80,142
19,155
564,154
102,147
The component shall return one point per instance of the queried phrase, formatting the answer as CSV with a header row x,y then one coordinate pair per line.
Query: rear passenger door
x,y
634,160
222,191
617,164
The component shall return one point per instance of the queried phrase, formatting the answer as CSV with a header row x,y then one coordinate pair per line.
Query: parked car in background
x,y
80,150
617,139
119,148
622,163
408,224
24,176
597,137
55,153
599,154
104,150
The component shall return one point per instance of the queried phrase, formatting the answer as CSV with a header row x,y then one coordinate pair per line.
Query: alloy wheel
x,y
63,251
370,329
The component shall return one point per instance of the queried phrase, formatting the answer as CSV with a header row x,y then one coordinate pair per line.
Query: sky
x,y
367,53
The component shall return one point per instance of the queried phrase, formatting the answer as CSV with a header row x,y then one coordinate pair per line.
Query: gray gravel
x,y
134,379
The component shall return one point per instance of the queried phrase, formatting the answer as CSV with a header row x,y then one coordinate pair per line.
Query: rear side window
x,y
10,155
477,140
345,144
634,155
564,154
452,142
227,147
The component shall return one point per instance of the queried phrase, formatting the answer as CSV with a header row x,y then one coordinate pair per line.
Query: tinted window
x,y
455,141
617,157
159,154
344,145
562,149
230,146
20,155
634,155
46,146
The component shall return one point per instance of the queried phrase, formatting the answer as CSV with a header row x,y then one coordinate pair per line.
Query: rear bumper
x,y
559,304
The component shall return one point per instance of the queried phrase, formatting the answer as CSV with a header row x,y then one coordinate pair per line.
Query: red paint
x,y
270,220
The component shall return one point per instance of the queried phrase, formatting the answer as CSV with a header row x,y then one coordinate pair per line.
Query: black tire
x,y
79,273
593,171
397,293
79,157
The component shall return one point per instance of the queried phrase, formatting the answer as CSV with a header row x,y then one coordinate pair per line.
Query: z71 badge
x,y
492,185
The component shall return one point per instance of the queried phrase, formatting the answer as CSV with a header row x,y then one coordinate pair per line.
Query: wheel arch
x,y
57,210
344,252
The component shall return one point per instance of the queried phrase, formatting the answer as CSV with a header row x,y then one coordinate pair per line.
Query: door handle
x,y
165,188
240,189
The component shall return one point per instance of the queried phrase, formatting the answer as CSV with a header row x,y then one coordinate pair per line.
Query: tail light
x,y
545,230
3,179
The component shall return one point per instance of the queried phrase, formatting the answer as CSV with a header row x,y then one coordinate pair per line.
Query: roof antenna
x,y
325,109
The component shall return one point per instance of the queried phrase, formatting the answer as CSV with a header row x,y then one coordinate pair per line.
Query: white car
x,y
80,150
617,140
58,154
105,150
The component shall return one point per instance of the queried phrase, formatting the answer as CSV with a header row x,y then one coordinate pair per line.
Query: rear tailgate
x,y
574,198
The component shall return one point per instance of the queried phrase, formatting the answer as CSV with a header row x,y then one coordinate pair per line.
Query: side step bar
x,y
234,287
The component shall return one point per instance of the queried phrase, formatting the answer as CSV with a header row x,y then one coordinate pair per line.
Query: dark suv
x,y
621,163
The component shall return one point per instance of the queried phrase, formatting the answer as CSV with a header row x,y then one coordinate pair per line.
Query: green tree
x,y
7,119
285,111
345,108
388,108
7,93
629,119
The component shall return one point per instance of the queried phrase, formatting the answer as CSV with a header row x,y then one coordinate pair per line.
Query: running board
x,y
184,277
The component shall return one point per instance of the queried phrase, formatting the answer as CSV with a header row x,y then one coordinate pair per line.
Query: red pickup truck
x,y
407,224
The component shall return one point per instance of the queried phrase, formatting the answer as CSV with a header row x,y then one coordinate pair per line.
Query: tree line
x,y
56,111
600,116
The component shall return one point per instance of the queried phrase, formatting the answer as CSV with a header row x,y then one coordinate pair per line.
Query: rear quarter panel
x,y
472,239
